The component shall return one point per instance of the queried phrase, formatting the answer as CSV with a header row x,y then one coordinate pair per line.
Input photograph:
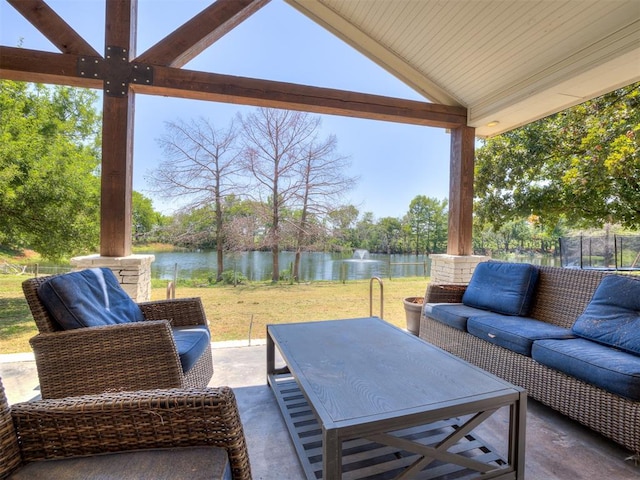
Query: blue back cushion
x,y
502,287
613,315
88,298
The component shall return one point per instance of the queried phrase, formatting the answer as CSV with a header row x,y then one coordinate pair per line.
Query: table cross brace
x,y
439,452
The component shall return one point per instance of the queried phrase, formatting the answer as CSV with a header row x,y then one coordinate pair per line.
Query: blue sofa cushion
x,y
613,315
502,287
608,368
191,343
88,298
514,333
453,314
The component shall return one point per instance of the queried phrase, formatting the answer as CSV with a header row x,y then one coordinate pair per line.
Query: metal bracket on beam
x,y
116,71
142,74
90,67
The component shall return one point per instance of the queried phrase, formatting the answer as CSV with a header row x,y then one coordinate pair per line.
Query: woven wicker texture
x,y
124,357
613,416
9,450
127,421
441,293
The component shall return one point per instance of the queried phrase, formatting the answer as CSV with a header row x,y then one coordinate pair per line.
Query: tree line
x,y
269,181
422,230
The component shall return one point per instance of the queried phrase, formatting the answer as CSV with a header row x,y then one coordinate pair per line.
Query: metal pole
x,y
371,296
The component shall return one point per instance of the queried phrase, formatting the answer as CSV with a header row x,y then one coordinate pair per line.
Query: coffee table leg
x,y
331,455
517,434
271,363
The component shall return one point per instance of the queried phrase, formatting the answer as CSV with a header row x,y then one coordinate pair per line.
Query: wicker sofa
x,y
560,296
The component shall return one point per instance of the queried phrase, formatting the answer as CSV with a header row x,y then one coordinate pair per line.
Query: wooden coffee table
x,y
364,399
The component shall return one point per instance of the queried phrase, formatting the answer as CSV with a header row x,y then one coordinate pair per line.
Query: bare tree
x,y
275,142
323,182
201,166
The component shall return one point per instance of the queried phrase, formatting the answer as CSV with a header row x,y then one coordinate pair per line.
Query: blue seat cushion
x,y
613,314
453,314
514,333
88,298
191,343
608,368
502,287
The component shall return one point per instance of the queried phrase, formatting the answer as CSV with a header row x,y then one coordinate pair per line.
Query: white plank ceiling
x,y
507,61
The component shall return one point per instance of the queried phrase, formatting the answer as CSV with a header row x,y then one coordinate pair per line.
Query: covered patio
x,y
557,448
488,67
483,68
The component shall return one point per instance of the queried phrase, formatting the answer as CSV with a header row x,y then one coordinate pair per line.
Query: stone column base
x,y
454,269
133,272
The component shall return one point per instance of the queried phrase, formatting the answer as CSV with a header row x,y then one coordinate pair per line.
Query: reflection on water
x,y
534,259
257,266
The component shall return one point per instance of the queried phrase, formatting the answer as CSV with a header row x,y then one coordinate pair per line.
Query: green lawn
x,y
231,311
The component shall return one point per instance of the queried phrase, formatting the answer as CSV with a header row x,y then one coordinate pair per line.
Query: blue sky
x,y
395,162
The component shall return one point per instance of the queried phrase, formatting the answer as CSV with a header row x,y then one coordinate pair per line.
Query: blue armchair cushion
x,y
453,314
88,298
613,315
191,342
514,333
502,287
608,368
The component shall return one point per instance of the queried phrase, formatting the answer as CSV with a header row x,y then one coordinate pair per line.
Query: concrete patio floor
x,y
557,448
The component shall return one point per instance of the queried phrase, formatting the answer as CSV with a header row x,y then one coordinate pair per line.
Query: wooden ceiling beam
x,y
24,65
199,33
52,26
35,66
197,85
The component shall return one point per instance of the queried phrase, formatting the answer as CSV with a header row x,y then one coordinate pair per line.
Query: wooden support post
x,y
461,191
117,133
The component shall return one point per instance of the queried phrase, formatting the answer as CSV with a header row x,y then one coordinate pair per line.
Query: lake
x,y
257,266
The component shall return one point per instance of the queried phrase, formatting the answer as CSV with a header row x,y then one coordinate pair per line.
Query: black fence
x,y
606,252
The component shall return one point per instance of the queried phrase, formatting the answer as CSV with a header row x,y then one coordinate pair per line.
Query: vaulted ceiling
x,y
506,61
487,66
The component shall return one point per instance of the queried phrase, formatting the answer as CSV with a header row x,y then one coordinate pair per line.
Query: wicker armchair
x,y
132,356
200,426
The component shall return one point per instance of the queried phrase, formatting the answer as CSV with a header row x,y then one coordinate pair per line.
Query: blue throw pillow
x,y
613,314
502,287
88,298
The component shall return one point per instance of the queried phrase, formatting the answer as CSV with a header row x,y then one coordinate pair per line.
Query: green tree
x,y
49,166
364,232
427,219
341,226
192,228
390,229
145,218
582,164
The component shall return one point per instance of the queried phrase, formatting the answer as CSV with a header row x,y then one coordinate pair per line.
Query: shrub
x,y
233,277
